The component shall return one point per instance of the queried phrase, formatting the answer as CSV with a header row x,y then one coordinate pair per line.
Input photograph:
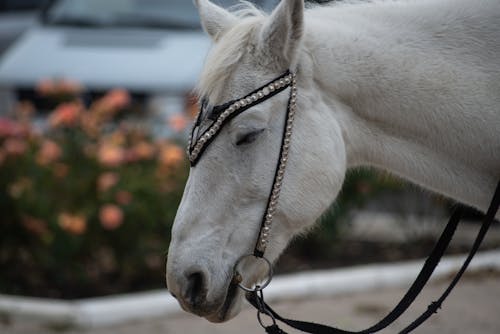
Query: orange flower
x,y
114,100
35,226
106,181
9,128
5,127
73,224
66,114
171,156
142,151
111,155
123,197
111,217
49,152
192,106
15,146
178,122
48,87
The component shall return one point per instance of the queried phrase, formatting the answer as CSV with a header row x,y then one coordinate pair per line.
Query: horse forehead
x,y
243,80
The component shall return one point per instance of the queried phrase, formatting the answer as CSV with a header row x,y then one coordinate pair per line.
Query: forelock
x,y
229,50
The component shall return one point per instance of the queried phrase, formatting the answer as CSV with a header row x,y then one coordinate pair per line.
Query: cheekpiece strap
x,y
272,202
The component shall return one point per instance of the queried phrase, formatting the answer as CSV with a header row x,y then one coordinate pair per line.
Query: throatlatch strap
x,y
417,286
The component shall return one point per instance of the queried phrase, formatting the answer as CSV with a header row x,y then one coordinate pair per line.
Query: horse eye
x,y
248,137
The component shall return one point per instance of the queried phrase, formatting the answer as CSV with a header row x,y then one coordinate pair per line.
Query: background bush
x,y
87,203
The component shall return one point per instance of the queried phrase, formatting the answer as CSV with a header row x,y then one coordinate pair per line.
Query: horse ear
x,y
215,20
282,33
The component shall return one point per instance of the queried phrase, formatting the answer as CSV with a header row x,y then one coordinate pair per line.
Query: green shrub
x,y
86,205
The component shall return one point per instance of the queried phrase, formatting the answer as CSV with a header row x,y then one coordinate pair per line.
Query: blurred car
x,y
15,17
153,48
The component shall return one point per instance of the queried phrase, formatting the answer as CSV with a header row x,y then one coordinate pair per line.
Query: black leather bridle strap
x,y
488,219
417,286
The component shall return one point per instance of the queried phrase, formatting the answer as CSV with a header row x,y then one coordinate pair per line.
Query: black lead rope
x,y
257,299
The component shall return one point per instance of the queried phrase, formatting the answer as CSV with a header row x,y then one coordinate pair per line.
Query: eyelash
x,y
249,138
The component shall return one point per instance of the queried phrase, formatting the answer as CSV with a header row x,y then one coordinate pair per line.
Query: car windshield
x,y
173,14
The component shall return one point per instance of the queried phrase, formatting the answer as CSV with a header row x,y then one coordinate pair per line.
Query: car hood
x,y
136,59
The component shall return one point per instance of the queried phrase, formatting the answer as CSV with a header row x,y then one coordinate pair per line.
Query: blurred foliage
x,y
86,203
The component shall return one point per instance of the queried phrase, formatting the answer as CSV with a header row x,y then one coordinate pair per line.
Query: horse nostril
x,y
195,291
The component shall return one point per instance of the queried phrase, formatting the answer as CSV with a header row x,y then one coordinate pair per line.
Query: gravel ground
x,y
472,308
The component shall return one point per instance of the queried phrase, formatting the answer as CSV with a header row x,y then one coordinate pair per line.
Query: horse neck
x,y
388,114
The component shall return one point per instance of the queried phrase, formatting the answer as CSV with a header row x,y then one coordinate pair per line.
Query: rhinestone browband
x,y
196,146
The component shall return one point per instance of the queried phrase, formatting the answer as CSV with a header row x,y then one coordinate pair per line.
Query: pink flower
x,y
66,114
49,152
171,156
142,151
50,87
123,197
9,128
5,126
14,146
114,100
111,155
111,217
35,226
178,122
192,106
73,223
106,181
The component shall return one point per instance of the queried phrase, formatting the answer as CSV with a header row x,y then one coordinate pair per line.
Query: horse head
x,y
219,218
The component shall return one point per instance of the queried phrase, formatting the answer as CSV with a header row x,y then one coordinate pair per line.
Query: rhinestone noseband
x,y
221,115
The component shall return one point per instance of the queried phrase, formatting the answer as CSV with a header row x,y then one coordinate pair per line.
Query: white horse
x,y
408,86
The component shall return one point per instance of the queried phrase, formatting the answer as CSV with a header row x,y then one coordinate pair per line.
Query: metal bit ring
x,y
257,287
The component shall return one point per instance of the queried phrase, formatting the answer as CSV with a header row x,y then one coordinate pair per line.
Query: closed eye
x,y
248,137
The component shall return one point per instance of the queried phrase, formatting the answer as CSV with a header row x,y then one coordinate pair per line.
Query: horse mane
x,y
225,55
228,52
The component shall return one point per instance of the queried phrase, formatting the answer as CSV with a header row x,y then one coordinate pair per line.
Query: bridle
x,y
220,116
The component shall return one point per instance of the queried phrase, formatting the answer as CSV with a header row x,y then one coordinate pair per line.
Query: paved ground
x,y
474,307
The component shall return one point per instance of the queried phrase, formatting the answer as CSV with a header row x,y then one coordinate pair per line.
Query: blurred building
x,y
152,48
16,16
